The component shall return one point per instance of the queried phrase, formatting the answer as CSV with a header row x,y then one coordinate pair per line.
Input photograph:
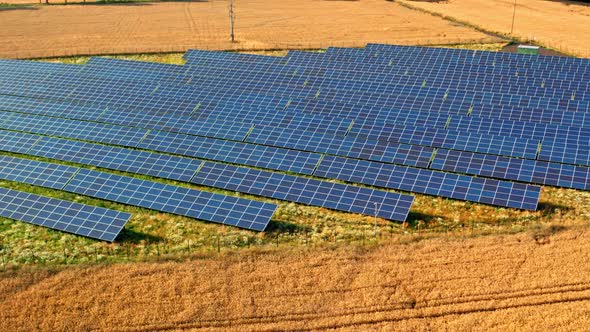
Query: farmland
x,y
49,31
527,281
556,24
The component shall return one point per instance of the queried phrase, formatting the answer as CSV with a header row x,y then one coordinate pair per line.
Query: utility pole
x,y
513,15
231,20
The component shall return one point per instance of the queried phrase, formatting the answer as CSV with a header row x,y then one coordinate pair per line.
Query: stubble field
x,y
49,31
561,25
526,282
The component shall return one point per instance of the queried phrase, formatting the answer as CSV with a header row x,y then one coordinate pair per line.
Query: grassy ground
x,y
152,235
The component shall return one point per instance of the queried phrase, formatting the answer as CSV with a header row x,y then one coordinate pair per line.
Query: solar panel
x,y
524,170
83,130
424,181
94,222
192,203
342,146
563,152
153,195
233,152
458,54
16,142
121,159
330,195
34,172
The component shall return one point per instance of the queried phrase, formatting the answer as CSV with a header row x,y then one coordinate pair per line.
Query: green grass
x,y
169,58
153,235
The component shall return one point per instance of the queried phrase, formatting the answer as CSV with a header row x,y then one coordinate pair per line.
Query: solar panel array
x,y
479,126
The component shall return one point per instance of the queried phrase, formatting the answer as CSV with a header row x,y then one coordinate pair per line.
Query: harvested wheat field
x,y
557,24
45,31
533,281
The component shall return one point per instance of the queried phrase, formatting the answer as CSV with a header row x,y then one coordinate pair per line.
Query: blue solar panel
x,y
192,203
531,171
34,172
94,222
71,128
481,190
304,190
519,129
343,146
232,152
563,152
121,159
167,198
16,142
458,54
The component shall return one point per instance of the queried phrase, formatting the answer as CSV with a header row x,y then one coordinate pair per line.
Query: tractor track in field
x,y
452,283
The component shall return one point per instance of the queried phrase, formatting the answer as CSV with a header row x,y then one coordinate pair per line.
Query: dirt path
x,y
563,25
48,31
514,282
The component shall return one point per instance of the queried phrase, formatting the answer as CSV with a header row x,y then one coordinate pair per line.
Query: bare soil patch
x,y
50,31
562,25
533,281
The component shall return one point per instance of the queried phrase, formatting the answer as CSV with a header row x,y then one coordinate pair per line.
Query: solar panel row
x,y
462,187
148,194
94,222
157,196
335,196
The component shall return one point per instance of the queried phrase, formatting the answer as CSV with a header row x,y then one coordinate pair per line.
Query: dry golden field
x,y
562,25
45,31
535,281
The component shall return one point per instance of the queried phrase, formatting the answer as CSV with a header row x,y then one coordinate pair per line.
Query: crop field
x,y
528,282
33,31
560,25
